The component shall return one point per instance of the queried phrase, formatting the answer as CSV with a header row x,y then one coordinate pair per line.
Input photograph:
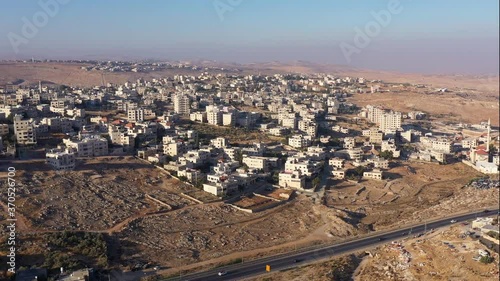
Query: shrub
x,y
486,259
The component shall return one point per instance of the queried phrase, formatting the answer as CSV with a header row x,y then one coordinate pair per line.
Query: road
x,y
289,260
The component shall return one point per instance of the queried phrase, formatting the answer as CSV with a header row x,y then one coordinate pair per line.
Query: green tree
x,y
359,171
486,259
238,156
386,154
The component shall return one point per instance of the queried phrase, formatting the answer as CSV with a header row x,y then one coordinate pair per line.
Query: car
x,y
296,260
453,221
465,223
381,238
486,211
222,273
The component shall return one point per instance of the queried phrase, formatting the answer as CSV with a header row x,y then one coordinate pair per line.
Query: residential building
x,y
24,130
375,174
336,162
181,104
87,146
299,141
292,180
60,160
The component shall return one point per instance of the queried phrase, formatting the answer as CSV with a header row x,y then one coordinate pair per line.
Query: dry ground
x,y
210,231
434,190
429,259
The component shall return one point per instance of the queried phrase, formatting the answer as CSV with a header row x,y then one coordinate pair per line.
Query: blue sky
x,y
426,36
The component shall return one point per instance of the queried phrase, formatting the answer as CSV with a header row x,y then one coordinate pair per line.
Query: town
x,y
253,143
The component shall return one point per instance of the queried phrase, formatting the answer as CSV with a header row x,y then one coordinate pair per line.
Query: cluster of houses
x,y
149,118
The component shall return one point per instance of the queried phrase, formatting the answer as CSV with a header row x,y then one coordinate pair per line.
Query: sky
x,y
425,36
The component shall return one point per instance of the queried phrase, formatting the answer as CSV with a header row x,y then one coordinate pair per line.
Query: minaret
x,y
488,137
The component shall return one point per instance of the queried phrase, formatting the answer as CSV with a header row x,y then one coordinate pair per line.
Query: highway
x,y
294,259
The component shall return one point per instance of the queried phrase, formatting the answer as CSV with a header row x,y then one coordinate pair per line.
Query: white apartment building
x,y
4,129
192,175
336,162
279,131
349,143
89,146
308,127
229,119
24,130
60,160
304,166
355,154
292,180
375,174
441,145
198,117
173,149
469,143
135,115
289,123
381,163
181,104
390,121
255,162
338,174
299,141
389,145
214,117
219,142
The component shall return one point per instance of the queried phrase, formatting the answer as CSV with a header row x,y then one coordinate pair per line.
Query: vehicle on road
x,y
453,221
486,211
222,273
296,260
381,238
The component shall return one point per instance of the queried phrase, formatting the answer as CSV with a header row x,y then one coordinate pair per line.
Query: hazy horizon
x,y
447,37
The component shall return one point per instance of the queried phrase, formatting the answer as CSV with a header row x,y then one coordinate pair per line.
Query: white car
x,y
222,273
453,221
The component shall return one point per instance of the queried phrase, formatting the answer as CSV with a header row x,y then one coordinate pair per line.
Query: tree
x,y
386,154
486,259
238,156
359,170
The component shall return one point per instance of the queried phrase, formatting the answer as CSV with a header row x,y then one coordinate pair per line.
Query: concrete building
x,y
255,162
338,174
60,160
219,142
336,162
24,130
390,121
135,115
229,119
292,180
299,141
214,117
88,146
4,129
375,174
181,104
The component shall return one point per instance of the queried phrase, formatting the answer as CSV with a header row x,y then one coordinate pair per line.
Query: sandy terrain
x,y
411,197
423,258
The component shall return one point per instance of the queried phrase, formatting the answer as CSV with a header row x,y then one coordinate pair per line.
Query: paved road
x,y
289,260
